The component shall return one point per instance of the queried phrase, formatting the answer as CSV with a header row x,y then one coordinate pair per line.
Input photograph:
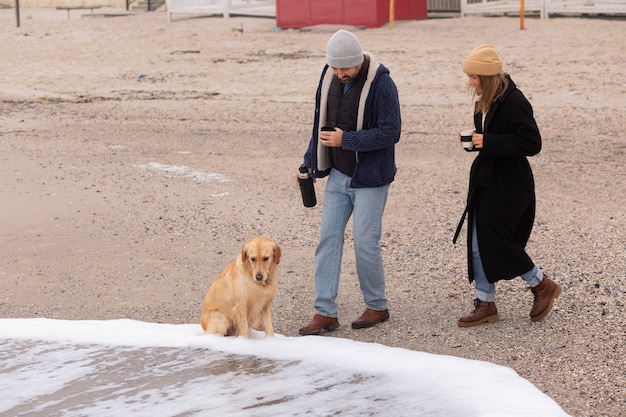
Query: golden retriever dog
x,y
241,296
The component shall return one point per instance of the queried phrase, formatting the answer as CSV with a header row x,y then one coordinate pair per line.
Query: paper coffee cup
x,y
466,138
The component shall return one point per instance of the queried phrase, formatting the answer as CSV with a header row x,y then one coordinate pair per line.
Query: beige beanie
x,y
483,60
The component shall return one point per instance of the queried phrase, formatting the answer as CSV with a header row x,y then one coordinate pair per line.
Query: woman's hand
x,y
477,140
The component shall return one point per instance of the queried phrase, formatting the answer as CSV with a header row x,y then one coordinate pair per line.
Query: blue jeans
x,y
485,290
366,206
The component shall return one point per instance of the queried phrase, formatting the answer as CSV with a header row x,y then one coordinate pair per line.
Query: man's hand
x,y
332,139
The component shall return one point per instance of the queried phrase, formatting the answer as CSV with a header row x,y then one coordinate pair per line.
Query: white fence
x,y
608,7
544,8
266,8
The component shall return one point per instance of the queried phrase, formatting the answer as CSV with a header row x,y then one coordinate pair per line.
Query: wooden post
x,y
17,12
392,13
521,14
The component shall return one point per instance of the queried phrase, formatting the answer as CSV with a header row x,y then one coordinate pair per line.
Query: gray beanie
x,y
344,50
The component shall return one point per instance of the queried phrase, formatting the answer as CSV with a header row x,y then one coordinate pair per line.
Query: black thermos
x,y
306,187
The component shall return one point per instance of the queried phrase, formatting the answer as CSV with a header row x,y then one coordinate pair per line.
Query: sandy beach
x,y
137,156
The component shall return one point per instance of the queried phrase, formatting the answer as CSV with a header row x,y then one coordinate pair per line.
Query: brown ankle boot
x,y
485,311
319,325
370,318
544,293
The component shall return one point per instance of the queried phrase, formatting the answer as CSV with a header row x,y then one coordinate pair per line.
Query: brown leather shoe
x,y
370,318
544,293
485,311
318,325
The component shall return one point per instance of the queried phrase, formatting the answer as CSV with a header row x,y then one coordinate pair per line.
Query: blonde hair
x,y
493,87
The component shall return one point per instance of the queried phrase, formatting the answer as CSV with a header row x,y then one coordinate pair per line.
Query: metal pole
x,y
17,12
521,14
392,13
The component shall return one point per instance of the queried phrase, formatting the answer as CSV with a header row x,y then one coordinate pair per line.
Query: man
x,y
358,100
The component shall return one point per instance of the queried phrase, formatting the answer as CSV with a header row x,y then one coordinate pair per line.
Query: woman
x,y
501,198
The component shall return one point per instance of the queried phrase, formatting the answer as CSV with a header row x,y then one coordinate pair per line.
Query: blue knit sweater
x,y
378,130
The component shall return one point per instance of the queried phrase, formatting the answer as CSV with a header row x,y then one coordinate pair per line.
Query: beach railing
x,y
544,8
605,7
266,8
500,7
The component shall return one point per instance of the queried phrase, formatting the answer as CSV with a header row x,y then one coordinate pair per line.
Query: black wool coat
x,y
501,193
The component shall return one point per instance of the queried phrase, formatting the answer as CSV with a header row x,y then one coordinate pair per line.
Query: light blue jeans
x,y
485,290
366,206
